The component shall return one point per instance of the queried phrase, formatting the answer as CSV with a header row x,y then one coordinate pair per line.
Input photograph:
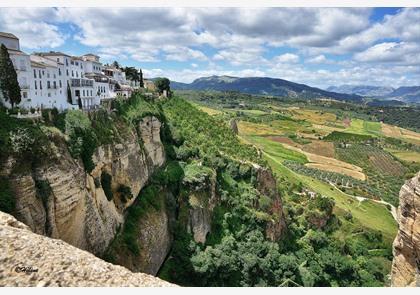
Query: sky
x,y
320,47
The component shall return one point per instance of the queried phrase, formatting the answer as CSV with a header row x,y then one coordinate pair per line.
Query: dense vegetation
x,y
237,253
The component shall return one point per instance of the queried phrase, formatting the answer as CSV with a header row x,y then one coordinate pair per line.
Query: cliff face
x,y
29,260
266,185
61,200
201,201
406,263
153,236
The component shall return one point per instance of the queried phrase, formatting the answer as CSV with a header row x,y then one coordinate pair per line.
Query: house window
x,y
43,73
36,87
67,63
72,62
22,65
83,92
40,85
59,72
39,72
25,94
58,59
60,84
55,76
55,85
48,74
34,73
72,73
67,72
49,94
77,63
77,74
91,93
48,85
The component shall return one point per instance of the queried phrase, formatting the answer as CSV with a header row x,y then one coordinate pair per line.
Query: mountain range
x,y
262,86
407,94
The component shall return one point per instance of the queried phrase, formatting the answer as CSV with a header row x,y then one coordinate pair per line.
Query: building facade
x,y
58,80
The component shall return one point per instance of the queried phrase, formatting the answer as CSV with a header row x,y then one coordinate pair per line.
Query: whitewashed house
x,y
55,79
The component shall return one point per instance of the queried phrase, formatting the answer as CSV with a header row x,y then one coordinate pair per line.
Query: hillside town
x,y
59,80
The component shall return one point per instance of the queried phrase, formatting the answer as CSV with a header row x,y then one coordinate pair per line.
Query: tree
x,y
69,99
9,84
163,84
115,64
141,79
79,102
132,74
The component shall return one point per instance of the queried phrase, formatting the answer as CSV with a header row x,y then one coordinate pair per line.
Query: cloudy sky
x,y
316,46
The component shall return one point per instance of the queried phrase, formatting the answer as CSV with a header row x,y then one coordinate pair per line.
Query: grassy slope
x,y
366,212
409,156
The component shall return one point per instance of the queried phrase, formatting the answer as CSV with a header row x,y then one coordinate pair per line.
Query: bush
x,y
125,193
106,181
7,199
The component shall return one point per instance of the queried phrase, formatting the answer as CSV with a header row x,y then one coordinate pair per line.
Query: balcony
x,y
81,83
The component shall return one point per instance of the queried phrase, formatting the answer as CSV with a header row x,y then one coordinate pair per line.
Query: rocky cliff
x,y
29,259
406,263
267,185
61,200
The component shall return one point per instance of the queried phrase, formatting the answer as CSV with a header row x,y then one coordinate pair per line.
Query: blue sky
x,y
316,46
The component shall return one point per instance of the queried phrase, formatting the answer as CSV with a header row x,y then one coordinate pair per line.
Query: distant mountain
x,y
406,94
362,90
261,86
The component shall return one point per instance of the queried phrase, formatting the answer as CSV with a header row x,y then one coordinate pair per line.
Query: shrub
x,y
125,193
21,140
7,199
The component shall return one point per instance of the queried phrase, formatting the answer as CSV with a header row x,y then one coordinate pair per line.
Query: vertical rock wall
x,y
406,263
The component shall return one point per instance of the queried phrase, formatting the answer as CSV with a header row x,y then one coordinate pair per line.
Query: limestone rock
x,y
202,203
76,209
29,259
267,185
154,238
406,247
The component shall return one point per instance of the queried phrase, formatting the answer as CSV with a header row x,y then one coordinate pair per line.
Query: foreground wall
x,y
28,259
406,263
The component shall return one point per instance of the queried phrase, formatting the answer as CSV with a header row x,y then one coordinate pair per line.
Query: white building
x,y
55,79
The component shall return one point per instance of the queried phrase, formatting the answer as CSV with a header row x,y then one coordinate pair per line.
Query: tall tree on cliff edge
x,y
163,84
9,84
141,79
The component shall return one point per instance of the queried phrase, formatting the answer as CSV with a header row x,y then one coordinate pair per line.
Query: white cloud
x,y
32,26
286,58
402,52
319,59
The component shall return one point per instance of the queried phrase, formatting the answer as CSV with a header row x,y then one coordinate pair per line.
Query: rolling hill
x,y
262,86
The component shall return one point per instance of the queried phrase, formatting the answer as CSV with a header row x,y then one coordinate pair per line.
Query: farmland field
x,y
337,156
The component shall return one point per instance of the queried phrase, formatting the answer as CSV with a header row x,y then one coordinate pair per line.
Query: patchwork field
x,y
400,133
323,169
408,156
